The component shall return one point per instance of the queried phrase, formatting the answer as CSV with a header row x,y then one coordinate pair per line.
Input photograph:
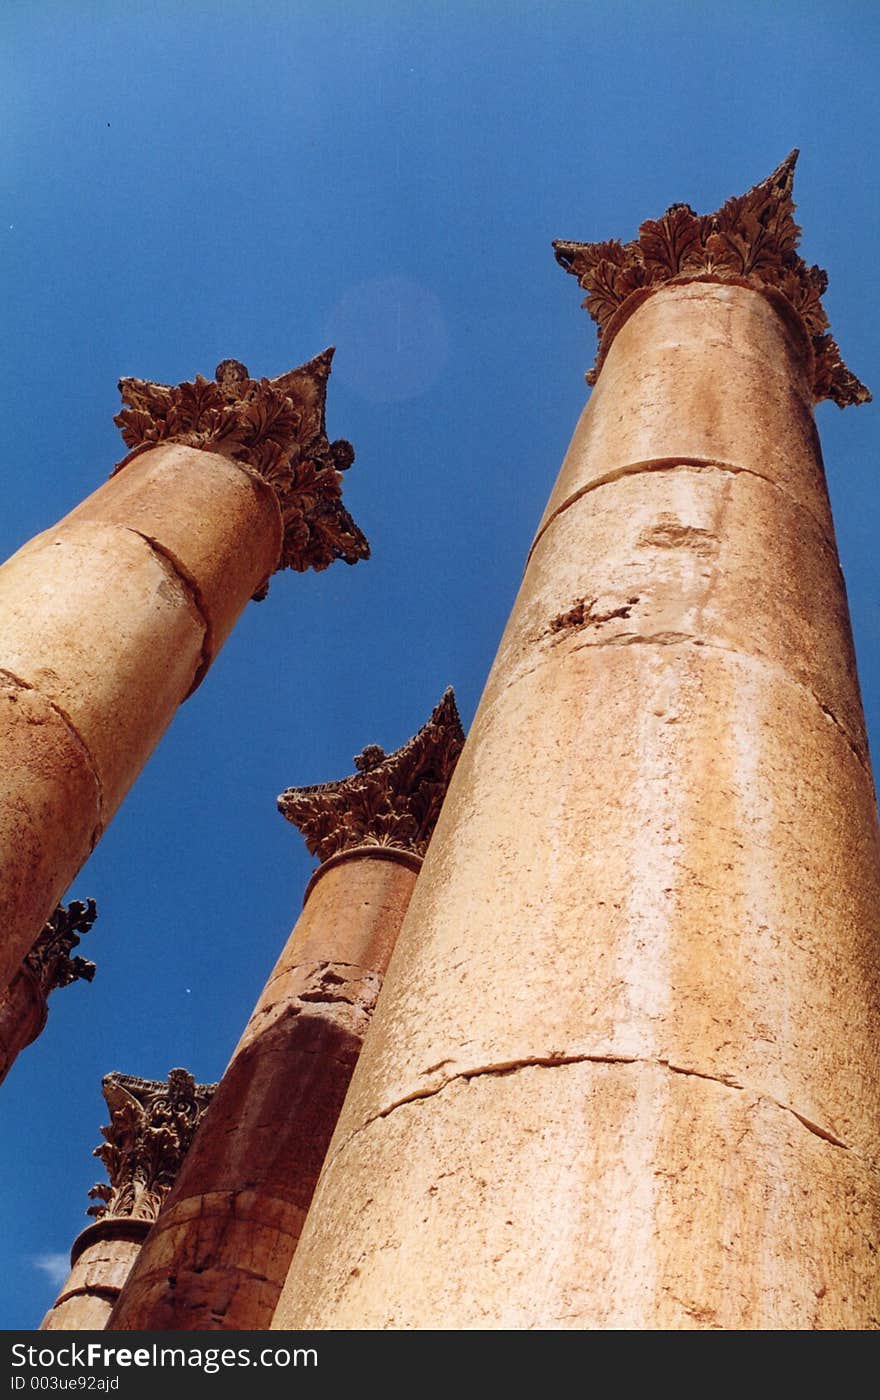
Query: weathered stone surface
x,y
22,1017
221,1249
114,614
96,621
697,844
393,800
707,373
101,1264
276,429
589,1196
625,1066
48,965
218,525
751,240
46,775
340,972
50,961
699,554
152,1124
195,1234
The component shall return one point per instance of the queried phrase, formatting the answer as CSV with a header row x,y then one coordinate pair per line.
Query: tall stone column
x,y
625,1069
112,617
220,1251
151,1127
23,1006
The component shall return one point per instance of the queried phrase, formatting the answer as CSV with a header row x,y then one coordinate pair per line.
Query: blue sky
x,y
187,182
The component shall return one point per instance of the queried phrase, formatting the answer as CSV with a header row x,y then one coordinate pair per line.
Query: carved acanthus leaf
x,y
274,427
49,960
152,1124
752,238
392,800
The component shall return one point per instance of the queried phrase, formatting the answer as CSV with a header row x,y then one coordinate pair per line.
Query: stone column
x,y
23,1006
625,1073
220,1251
112,617
151,1127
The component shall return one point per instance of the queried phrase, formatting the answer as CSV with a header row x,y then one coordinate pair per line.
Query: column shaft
x,y
626,1065
107,621
101,1260
22,1017
110,619
221,1248
48,965
151,1126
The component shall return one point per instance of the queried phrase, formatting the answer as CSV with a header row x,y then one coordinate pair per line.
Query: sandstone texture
x,y
95,620
736,392
51,815
199,510
625,1068
22,1017
102,1257
111,618
591,1195
152,1123
221,1248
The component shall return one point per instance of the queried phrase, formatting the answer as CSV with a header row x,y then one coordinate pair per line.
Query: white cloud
x,y
56,1267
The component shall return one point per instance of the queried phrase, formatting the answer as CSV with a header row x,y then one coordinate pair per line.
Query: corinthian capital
x,y
49,961
275,428
752,240
152,1123
392,800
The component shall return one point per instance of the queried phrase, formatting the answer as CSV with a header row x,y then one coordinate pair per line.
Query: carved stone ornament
x,y
151,1127
392,800
49,961
275,428
750,240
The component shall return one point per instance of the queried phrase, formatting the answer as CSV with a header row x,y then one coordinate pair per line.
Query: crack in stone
x,y
726,1079
665,464
322,997
582,614
660,639
22,684
672,638
88,1290
699,1312
551,1061
863,758
817,1129
191,588
218,1266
